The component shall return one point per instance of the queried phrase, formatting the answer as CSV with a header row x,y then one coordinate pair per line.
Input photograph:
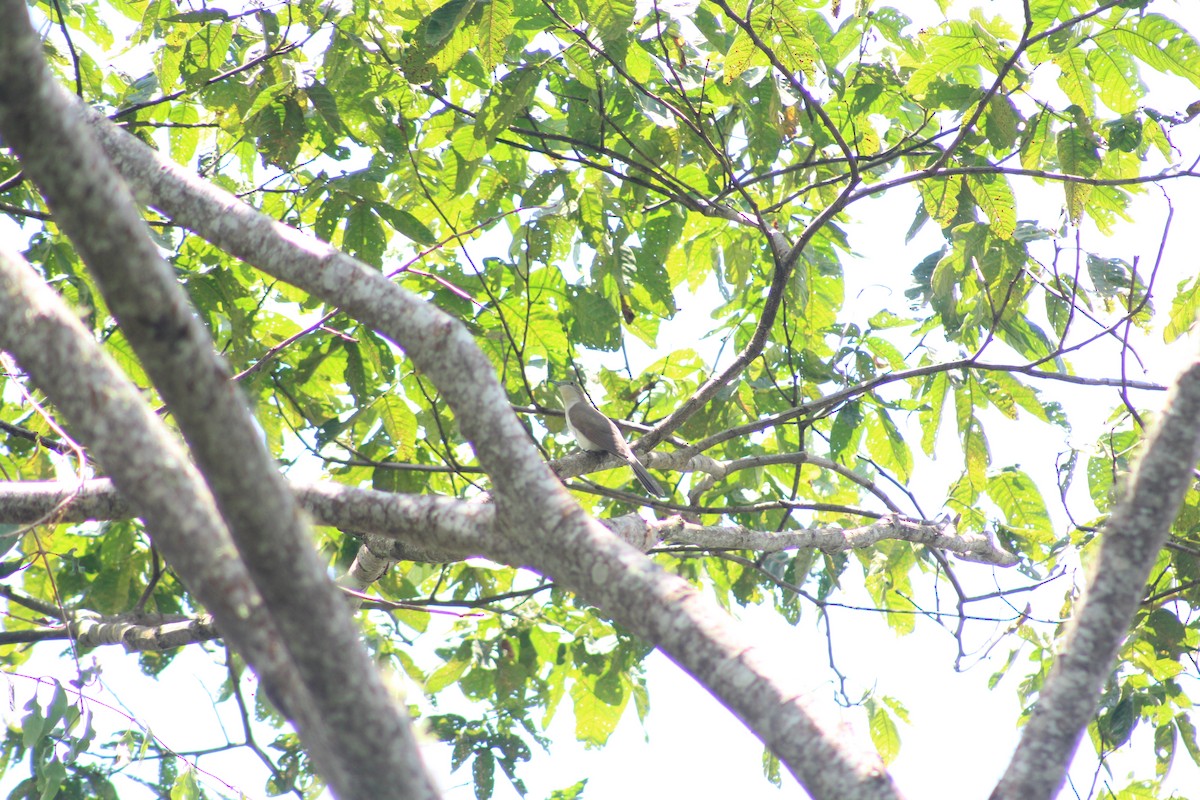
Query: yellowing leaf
x,y
994,196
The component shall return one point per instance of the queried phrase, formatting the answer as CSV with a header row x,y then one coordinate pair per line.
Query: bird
x,y
597,433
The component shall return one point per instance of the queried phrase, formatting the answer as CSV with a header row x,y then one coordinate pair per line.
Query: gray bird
x,y
597,433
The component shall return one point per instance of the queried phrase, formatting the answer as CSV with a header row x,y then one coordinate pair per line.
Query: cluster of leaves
x,y
54,738
624,153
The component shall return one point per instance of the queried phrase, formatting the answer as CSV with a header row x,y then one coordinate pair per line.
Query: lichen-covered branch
x,y
1129,545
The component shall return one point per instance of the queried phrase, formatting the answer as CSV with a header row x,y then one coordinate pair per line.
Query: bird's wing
x,y
598,430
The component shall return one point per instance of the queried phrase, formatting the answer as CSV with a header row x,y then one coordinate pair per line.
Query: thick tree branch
x,y
400,527
968,546
137,635
107,412
93,206
1129,545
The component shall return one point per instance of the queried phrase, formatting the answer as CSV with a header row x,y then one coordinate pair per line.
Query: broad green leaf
x,y
1077,156
784,30
1161,43
405,223
1116,77
845,430
186,787
495,24
951,49
1022,505
448,673
611,18
483,772
940,196
1019,333
743,54
884,733
1037,142
993,194
362,235
976,455
198,17
1074,80
444,20
1012,388
886,446
323,101
1001,123
931,420
400,423
505,102
1184,309
597,711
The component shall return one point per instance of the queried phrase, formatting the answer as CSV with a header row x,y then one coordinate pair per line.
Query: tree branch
x,y
401,527
95,208
145,460
1129,545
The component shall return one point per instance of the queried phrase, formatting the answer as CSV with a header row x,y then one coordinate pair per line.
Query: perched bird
x,y
598,434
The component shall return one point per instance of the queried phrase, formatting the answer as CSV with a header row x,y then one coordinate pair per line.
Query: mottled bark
x,y
1129,545
92,204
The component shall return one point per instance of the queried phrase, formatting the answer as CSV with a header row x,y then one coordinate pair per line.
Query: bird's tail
x,y
646,479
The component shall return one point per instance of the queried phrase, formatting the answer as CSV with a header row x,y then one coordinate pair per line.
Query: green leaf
x,y
1025,337
940,197
448,673
956,48
483,771
1001,123
505,102
1161,43
994,196
444,20
845,429
611,18
185,138
931,419
1074,80
785,31
1117,724
1077,156
976,455
1111,277
1018,498
596,712
362,236
887,446
1184,310
741,56
1187,732
405,223
441,39
494,28
1037,144
199,17
185,787
592,321
400,423
884,733
1011,388
322,100
1116,77
573,792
